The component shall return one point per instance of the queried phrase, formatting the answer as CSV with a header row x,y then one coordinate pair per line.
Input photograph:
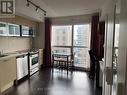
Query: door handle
x,y
109,75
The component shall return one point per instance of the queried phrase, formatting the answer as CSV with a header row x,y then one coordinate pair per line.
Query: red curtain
x,y
97,41
95,34
101,39
94,47
47,49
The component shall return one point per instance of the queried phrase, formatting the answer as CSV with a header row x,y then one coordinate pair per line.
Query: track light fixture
x,y
27,4
36,9
36,6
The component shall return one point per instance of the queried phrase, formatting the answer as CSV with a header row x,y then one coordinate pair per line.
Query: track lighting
x,y
27,4
36,9
45,14
36,6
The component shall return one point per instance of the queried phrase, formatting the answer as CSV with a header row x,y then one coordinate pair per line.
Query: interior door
x,y
109,44
116,48
111,52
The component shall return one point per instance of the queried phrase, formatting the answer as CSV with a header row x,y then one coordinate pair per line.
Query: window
x,y
62,38
80,45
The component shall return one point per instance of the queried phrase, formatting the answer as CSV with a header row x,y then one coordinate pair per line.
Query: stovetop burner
x,y
33,51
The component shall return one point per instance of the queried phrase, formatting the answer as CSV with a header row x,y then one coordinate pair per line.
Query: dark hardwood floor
x,y
58,83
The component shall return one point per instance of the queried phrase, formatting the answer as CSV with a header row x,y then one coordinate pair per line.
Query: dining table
x,y
64,58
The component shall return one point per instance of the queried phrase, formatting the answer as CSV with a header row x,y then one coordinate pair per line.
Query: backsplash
x,y
11,44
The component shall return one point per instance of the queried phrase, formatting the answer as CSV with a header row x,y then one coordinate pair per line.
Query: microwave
x,y
26,31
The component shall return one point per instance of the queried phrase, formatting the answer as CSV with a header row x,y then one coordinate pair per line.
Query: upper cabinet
x,y
3,29
14,30
8,29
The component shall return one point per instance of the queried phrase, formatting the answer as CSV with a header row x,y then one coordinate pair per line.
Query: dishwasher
x,y
22,66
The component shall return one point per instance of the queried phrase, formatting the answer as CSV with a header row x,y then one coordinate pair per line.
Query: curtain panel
x,y
47,49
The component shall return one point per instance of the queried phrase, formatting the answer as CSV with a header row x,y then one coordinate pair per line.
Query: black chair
x,y
94,67
92,64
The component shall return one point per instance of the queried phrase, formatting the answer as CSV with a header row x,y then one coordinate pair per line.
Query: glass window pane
x,y
11,29
61,35
81,35
81,57
14,30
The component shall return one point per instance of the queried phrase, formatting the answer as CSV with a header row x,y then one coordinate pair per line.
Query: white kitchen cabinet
x,y
3,29
7,73
14,30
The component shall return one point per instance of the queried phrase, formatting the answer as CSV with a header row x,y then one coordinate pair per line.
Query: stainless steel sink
x,y
3,55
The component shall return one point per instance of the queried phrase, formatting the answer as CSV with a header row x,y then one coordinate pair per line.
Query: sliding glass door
x,y
72,39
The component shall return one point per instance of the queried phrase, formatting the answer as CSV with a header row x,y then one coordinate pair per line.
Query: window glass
x,y
61,35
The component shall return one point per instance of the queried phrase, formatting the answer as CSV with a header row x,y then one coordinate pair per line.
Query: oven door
x,y
34,61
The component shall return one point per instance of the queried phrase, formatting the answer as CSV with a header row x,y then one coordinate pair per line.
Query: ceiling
x,y
58,8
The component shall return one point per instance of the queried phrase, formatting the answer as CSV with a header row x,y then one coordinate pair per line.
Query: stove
x,y
33,62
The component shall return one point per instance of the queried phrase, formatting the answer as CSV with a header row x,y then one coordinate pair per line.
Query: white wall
x,y
69,20
39,40
29,12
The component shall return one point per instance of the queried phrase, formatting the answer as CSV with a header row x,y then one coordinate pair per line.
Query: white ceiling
x,y
28,12
58,8
71,7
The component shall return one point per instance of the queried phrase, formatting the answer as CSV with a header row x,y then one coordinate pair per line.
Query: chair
x,y
63,61
92,64
94,67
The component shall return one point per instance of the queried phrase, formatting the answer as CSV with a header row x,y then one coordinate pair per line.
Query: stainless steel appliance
x,y
22,66
33,62
26,31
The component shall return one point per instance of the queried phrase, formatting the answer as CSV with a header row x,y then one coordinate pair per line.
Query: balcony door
x,y
72,39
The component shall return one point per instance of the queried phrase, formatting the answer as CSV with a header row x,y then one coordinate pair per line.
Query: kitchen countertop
x,y
17,53
9,55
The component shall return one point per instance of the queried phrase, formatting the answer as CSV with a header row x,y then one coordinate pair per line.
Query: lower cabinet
x,y
7,73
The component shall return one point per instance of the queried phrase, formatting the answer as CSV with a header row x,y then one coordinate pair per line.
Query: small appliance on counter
x,y
33,57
